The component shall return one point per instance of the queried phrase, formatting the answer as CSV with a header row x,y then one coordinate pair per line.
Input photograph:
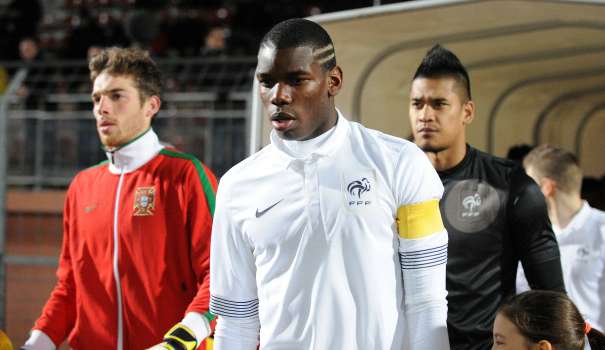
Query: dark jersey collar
x,y
468,157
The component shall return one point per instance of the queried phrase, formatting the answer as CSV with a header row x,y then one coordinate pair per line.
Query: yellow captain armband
x,y
180,337
419,219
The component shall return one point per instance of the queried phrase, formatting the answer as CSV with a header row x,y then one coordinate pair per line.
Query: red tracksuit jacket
x,y
135,254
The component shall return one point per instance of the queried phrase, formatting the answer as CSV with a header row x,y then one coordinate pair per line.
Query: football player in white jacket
x,y
331,236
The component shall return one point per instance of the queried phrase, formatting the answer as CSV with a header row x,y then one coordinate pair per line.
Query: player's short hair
x,y
132,62
298,32
440,62
556,164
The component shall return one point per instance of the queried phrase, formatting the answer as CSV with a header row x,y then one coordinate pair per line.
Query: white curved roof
x,y
537,68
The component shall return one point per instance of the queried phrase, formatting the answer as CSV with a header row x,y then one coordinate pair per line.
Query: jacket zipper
x,y
116,271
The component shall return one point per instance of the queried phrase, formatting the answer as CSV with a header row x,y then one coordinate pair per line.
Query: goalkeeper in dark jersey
x,y
494,213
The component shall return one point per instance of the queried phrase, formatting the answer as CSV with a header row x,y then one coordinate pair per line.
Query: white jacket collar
x,y
134,154
327,147
578,221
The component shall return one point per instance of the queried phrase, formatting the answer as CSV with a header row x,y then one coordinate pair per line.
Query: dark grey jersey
x,y
495,216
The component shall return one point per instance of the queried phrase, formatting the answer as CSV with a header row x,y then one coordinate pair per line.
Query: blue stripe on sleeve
x,y
237,309
420,259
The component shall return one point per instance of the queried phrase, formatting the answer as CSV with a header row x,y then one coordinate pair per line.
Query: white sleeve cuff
x,y
236,334
424,269
38,340
198,324
423,262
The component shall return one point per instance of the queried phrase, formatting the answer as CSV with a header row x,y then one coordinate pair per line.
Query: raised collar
x,y
577,222
468,157
328,147
134,154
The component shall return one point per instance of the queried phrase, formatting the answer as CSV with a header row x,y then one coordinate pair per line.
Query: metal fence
x,y
49,134
45,149
51,131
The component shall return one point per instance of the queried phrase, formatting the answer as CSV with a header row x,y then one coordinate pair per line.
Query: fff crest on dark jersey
x,y
494,217
471,205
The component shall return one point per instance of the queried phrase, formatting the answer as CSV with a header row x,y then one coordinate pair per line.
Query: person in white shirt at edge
x,y
579,228
331,236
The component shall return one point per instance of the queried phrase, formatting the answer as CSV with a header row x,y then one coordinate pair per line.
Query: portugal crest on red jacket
x,y
144,201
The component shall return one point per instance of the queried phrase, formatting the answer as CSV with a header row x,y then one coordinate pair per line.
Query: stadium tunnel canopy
x,y
537,69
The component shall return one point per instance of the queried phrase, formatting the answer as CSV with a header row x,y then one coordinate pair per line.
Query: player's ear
x,y
334,81
548,187
469,112
544,345
153,106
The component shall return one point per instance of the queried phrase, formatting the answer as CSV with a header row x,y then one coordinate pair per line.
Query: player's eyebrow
x,y
431,99
291,74
105,92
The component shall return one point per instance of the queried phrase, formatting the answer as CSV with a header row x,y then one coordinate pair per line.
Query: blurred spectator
x,y
167,28
92,51
89,31
29,50
32,94
215,42
518,152
593,191
30,53
142,27
21,20
182,34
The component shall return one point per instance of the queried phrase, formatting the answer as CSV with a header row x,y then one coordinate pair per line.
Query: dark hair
x,y
552,316
593,191
518,152
440,62
297,32
131,62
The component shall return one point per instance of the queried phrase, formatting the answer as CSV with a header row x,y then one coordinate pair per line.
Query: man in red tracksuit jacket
x,y
133,271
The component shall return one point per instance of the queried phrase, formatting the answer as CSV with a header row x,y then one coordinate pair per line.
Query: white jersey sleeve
x,y
422,250
521,284
233,293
